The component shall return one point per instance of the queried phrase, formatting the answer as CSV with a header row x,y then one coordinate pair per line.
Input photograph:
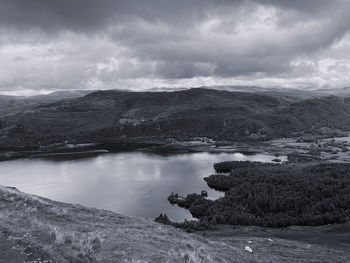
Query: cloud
x,y
87,15
80,44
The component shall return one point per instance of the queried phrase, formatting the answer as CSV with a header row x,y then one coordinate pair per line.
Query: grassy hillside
x,y
35,229
223,115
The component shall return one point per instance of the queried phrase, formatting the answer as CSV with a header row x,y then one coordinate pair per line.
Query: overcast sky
x,y
48,45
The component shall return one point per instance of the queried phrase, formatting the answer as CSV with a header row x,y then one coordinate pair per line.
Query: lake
x,y
131,183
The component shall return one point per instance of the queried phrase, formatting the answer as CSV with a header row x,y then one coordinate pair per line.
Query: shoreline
x,y
296,152
104,148
301,149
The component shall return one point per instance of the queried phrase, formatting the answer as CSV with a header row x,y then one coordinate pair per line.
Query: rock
x,y
248,249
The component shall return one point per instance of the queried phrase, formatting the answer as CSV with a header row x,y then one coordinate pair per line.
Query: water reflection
x,y
132,183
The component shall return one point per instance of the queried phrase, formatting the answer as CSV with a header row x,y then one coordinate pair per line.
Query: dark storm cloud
x,y
96,14
56,14
106,42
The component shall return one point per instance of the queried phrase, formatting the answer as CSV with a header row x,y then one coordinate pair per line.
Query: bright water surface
x,y
131,183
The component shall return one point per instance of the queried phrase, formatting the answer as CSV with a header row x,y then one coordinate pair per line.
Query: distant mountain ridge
x,y
113,115
11,104
297,92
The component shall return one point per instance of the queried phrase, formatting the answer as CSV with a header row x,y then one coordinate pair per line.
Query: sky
x,y
50,45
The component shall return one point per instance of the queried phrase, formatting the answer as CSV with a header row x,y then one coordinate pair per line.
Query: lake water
x,y
131,183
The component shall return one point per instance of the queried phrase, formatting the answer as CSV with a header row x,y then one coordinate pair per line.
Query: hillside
x,y
14,104
35,229
122,115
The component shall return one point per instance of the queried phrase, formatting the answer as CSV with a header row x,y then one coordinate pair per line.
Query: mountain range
x,y
114,115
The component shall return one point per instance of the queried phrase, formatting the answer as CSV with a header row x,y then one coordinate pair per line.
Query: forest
x,y
274,195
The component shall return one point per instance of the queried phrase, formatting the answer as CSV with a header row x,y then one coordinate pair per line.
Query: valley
x,y
171,139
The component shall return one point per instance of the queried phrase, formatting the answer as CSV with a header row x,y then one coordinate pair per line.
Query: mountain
x,y
113,115
274,91
12,104
60,95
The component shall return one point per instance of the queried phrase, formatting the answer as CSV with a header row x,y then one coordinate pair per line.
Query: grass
x,y
47,231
